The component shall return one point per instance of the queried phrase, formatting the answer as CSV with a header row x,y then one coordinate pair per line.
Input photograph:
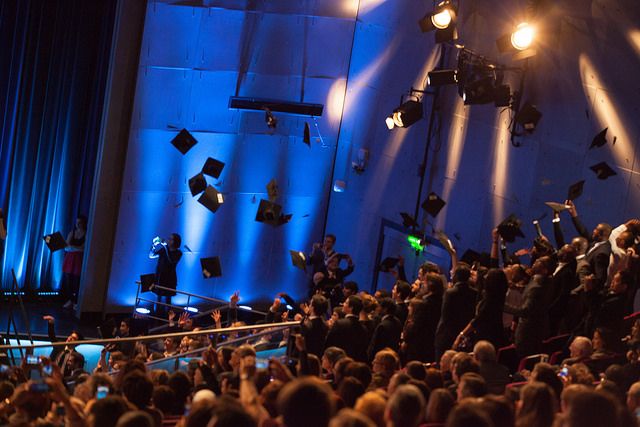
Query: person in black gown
x,y
168,255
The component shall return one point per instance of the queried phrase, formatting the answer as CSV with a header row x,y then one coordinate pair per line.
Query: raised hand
x,y
276,305
495,235
235,298
217,317
285,316
48,318
305,308
572,208
183,318
171,315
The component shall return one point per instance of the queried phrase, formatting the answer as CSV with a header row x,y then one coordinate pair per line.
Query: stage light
x,y
502,96
442,20
142,310
191,309
442,77
523,36
407,114
528,117
389,122
480,91
245,307
416,242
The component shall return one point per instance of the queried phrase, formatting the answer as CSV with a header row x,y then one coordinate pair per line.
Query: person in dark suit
x,y
62,356
348,333
314,329
458,308
487,322
608,308
400,292
420,328
495,375
387,333
563,281
599,249
533,325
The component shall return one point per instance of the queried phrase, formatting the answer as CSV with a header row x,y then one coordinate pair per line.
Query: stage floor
x,y
65,320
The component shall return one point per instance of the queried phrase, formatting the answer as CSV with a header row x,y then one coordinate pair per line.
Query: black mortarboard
x,y
184,141
211,199
212,167
575,190
470,256
146,281
510,228
408,220
269,213
55,241
387,264
197,184
600,139
434,204
603,170
307,134
298,259
211,267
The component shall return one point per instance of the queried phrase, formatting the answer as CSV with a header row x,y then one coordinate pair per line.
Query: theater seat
x,y
553,344
530,361
508,357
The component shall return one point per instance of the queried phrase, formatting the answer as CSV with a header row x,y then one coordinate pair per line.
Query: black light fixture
x,y
479,91
442,77
405,115
528,117
443,20
502,96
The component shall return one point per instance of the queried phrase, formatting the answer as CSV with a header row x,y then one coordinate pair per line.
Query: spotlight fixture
x,y
528,117
502,96
442,20
523,36
389,122
271,120
442,77
480,91
406,114
519,42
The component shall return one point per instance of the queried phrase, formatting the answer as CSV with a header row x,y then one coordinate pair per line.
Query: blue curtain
x,y
54,56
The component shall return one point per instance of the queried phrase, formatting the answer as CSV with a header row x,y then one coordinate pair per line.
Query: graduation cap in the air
x,y
557,207
184,141
211,199
470,256
387,264
408,220
575,190
510,228
299,260
433,205
600,139
603,170
197,184
55,241
211,267
271,213
307,134
146,281
212,167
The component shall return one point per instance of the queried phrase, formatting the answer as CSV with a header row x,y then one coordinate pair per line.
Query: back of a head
x,y
360,371
319,304
181,386
462,273
468,414
484,351
472,385
372,404
135,419
106,412
591,409
415,370
355,302
500,410
229,413
441,402
405,407
545,373
350,418
349,390
538,405
164,399
403,289
137,388
306,402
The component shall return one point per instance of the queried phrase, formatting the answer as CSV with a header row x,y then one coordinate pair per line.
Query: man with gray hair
x,y
580,350
495,375
405,408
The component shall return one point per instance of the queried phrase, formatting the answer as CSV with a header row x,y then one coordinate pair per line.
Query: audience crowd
x,y
493,342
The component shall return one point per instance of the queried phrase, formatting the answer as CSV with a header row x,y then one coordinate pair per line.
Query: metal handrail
x,y
153,337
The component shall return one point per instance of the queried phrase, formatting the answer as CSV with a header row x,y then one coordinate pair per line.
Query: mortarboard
x,y
211,267
184,141
434,204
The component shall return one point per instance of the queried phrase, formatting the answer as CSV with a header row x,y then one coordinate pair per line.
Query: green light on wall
x,y
415,243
